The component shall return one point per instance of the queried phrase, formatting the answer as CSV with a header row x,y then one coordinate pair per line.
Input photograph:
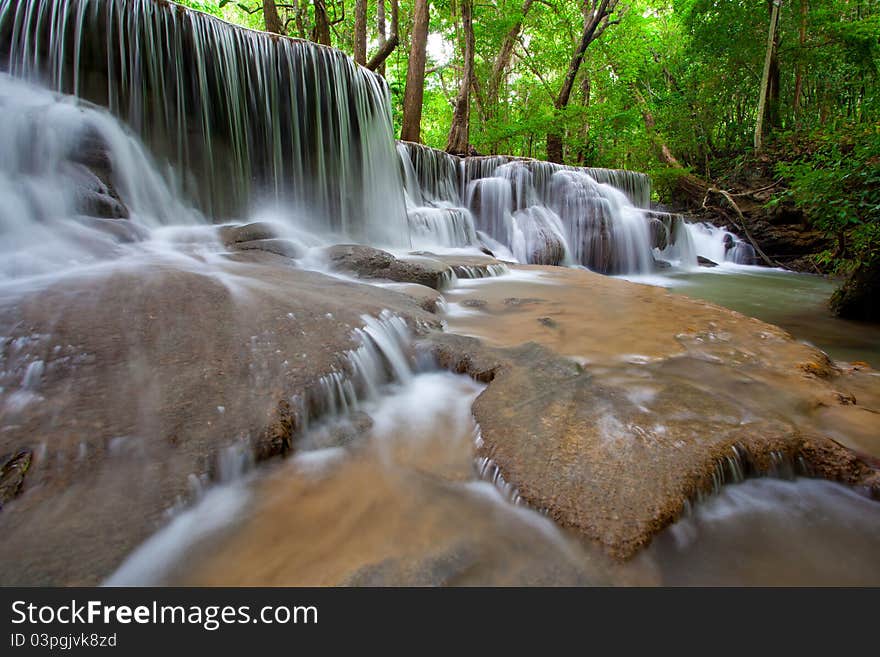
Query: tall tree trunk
x,y
415,75
585,128
321,30
760,124
597,17
459,131
298,19
381,32
360,32
502,59
386,45
270,16
799,75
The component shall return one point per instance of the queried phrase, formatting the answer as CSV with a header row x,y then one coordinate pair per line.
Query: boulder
x,y
859,296
705,262
258,230
369,262
285,248
659,233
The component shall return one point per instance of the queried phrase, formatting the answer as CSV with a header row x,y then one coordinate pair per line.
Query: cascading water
x,y
719,245
259,125
76,187
248,119
538,212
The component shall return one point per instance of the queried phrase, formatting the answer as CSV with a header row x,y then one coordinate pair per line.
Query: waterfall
x,y
241,122
248,119
719,245
68,173
539,212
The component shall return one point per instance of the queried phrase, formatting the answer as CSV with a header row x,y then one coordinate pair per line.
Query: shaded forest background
x,y
776,102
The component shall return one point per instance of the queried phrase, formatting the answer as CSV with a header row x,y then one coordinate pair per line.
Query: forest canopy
x,y
692,69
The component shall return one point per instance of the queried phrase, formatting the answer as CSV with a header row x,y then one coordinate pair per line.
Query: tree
x,y
415,74
766,79
270,15
505,53
360,32
387,43
459,132
597,18
321,29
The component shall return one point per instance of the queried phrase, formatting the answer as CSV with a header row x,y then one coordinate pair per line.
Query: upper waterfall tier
x,y
247,119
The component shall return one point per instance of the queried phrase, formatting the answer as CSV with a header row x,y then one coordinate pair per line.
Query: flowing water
x,y
796,302
399,500
119,153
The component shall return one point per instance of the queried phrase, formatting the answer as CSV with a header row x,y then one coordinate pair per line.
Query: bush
x,y
837,185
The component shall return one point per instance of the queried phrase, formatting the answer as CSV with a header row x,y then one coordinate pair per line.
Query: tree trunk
x,y
768,70
321,30
799,75
597,15
459,131
381,32
502,60
298,19
360,32
415,75
270,16
386,45
585,128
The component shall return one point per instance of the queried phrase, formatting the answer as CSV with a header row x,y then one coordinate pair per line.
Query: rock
x,y
12,475
124,232
599,464
549,322
369,262
144,358
258,230
859,296
705,262
285,248
659,233
547,249
613,424
662,264
429,299
475,303
429,272
91,168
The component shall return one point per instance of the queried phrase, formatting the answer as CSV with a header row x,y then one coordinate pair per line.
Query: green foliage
x,y
837,184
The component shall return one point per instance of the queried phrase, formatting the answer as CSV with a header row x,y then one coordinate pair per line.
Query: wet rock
x,y
859,296
12,474
428,298
549,322
153,354
616,468
705,262
517,301
258,230
475,303
662,264
659,233
369,262
285,248
124,232
91,168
